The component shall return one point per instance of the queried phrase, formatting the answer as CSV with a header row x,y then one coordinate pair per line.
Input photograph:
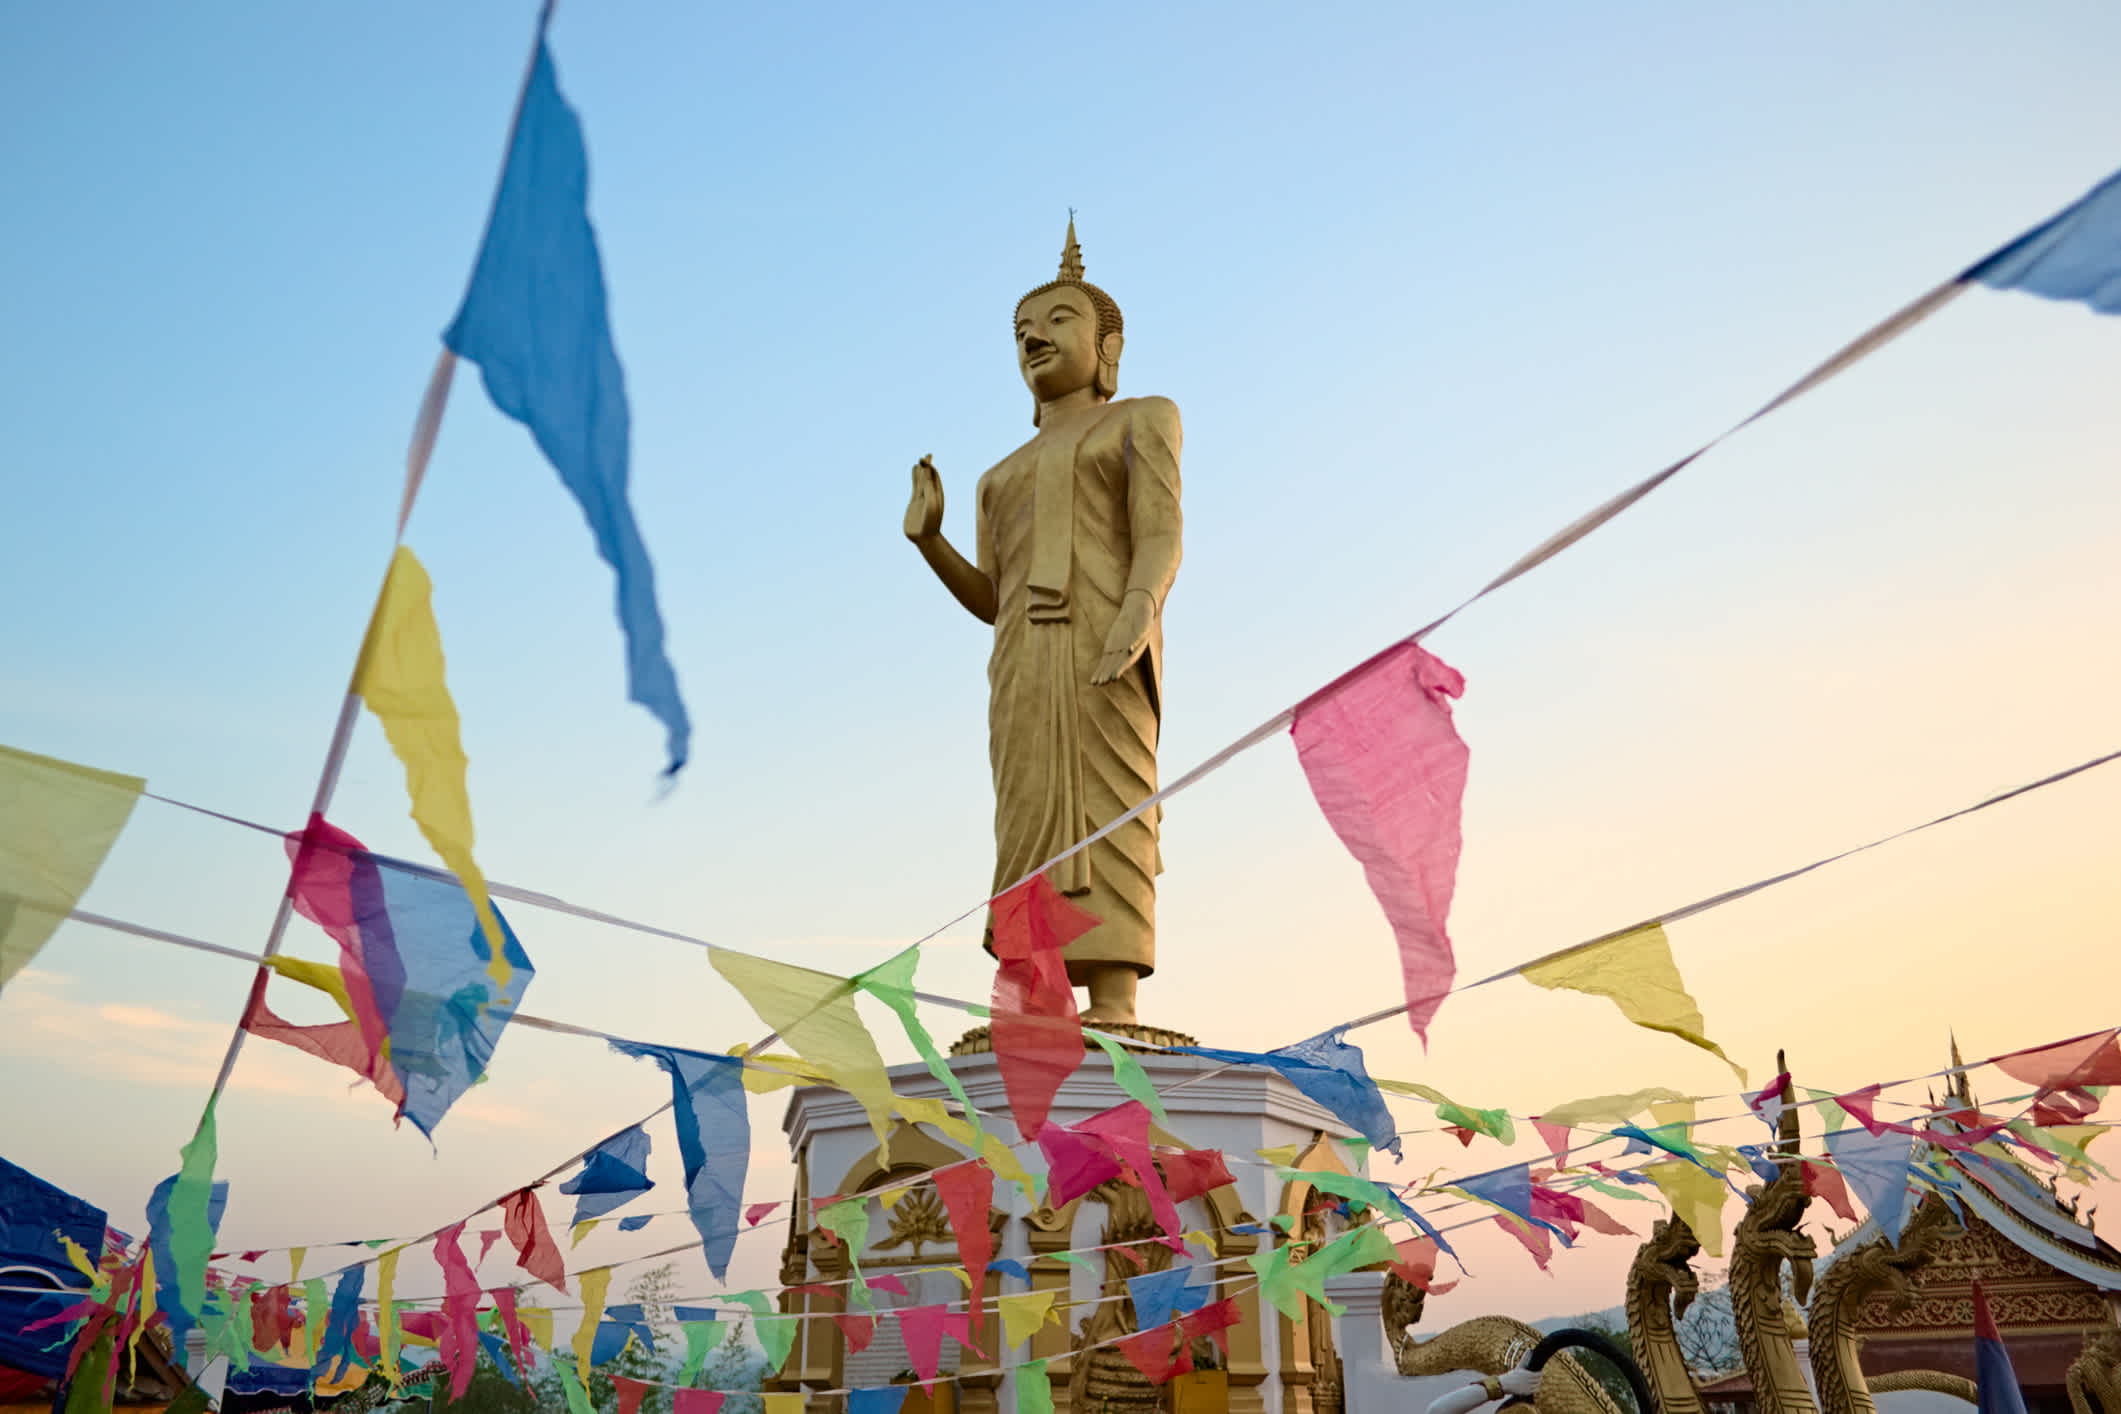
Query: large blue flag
x,y
1995,1381
536,322
714,1139
614,1174
1331,1073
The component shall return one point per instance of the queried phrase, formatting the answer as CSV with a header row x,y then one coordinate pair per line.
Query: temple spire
x,y
1071,262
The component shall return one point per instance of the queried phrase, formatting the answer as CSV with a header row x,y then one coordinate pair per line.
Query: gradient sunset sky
x,y
1425,285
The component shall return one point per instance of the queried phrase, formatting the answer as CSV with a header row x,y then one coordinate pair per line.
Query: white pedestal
x,y
1235,1110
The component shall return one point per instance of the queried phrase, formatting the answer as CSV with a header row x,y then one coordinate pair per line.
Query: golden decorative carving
x,y
1077,547
1661,1285
1487,1345
1877,1269
1935,1381
2094,1378
917,1218
1765,1239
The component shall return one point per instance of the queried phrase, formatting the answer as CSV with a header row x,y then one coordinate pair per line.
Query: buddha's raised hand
x,y
924,512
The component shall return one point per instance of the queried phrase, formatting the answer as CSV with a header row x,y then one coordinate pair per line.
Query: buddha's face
x,y
1056,342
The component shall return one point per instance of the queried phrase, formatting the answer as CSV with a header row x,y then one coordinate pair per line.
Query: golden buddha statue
x,y
1078,542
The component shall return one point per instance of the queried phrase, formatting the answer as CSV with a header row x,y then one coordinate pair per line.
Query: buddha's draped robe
x,y
1059,522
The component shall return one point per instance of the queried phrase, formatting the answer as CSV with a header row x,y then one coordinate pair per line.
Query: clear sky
x,y
1426,282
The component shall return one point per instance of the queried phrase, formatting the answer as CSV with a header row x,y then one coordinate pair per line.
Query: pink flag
x,y
459,1345
968,1195
1563,1210
1598,1219
1557,1140
756,1213
1126,1128
1536,1239
1862,1105
629,1393
891,1286
1036,1033
922,1328
504,1302
696,1401
536,1252
1213,1321
1389,770
487,1238
1075,1163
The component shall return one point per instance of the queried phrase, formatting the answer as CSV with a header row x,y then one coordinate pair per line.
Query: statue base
x,y
1274,1365
980,1040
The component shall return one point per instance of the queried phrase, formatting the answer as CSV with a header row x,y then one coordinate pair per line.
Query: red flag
x,y
504,1302
859,1330
1150,1351
1825,1182
1536,1239
524,1218
1036,1033
1213,1321
1598,1219
756,1213
2089,1060
1557,1140
1188,1173
1389,770
629,1393
968,1195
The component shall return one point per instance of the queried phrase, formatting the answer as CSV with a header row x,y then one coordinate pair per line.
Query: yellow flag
x,y
294,1263
1637,972
774,1072
593,1283
1281,1154
999,1156
57,821
790,1402
78,1255
814,1013
1609,1109
582,1229
400,677
324,976
1695,1195
538,1321
386,1310
1025,1313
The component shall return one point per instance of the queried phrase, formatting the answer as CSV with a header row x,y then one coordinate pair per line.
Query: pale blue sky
x,y
1425,283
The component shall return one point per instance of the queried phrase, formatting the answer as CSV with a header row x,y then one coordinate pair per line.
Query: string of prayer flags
x,y
1036,1033
1635,970
1388,768
524,1220
885,1400
1877,1166
614,1174
891,982
184,1214
2074,255
400,676
714,1140
814,1013
967,1191
1330,1072
414,961
1696,1198
774,1332
536,321
57,822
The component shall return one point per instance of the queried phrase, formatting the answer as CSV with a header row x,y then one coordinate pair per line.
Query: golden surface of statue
x,y
1078,543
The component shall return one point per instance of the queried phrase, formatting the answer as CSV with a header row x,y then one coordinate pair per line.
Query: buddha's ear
x,y
1108,352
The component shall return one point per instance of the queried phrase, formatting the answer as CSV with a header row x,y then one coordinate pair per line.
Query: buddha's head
x,y
1068,334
